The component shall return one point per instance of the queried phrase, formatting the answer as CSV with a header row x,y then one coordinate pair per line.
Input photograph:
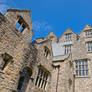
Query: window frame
x,y
21,24
41,80
88,33
68,36
89,46
68,49
6,60
47,52
81,68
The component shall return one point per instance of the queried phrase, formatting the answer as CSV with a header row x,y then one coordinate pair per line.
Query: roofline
x,y
84,30
44,41
39,38
65,31
49,34
19,10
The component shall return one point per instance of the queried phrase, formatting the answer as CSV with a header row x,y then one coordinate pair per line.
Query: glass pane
x,y
86,62
79,62
83,73
82,62
86,67
79,72
79,67
86,72
83,67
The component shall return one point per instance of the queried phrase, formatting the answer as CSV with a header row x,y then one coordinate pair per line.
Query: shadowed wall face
x,y
24,79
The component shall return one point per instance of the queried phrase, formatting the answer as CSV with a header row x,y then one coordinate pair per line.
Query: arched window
x,y
42,79
46,52
25,76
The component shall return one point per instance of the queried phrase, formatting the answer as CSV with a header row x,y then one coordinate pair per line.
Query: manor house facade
x,y
48,64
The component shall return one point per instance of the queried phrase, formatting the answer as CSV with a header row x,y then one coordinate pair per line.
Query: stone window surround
x,y
81,65
22,23
25,74
41,79
6,59
68,36
89,46
67,49
46,52
88,33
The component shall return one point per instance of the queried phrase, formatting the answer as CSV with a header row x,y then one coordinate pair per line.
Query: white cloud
x,y
41,26
41,29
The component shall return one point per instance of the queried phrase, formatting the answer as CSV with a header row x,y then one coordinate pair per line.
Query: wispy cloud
x,y
41,28
41,25
3,8
3,1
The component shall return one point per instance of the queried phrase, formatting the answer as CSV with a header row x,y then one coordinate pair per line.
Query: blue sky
x,y
56,15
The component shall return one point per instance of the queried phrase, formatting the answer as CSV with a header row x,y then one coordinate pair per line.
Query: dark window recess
x,y
77,38
21,80
21,24
6,59
25,76
46,52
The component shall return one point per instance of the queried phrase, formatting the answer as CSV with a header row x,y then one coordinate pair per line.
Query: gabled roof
x,y
68,30
51,34
87,27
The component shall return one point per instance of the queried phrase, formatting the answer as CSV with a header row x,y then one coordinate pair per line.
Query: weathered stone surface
x,y
21,61
25,56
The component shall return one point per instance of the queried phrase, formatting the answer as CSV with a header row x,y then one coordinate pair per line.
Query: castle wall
x,y
12,43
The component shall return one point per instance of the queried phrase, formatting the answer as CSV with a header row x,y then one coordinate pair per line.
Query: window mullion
x,y
20,26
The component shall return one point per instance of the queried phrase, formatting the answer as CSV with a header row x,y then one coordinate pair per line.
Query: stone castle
x,y
47,64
